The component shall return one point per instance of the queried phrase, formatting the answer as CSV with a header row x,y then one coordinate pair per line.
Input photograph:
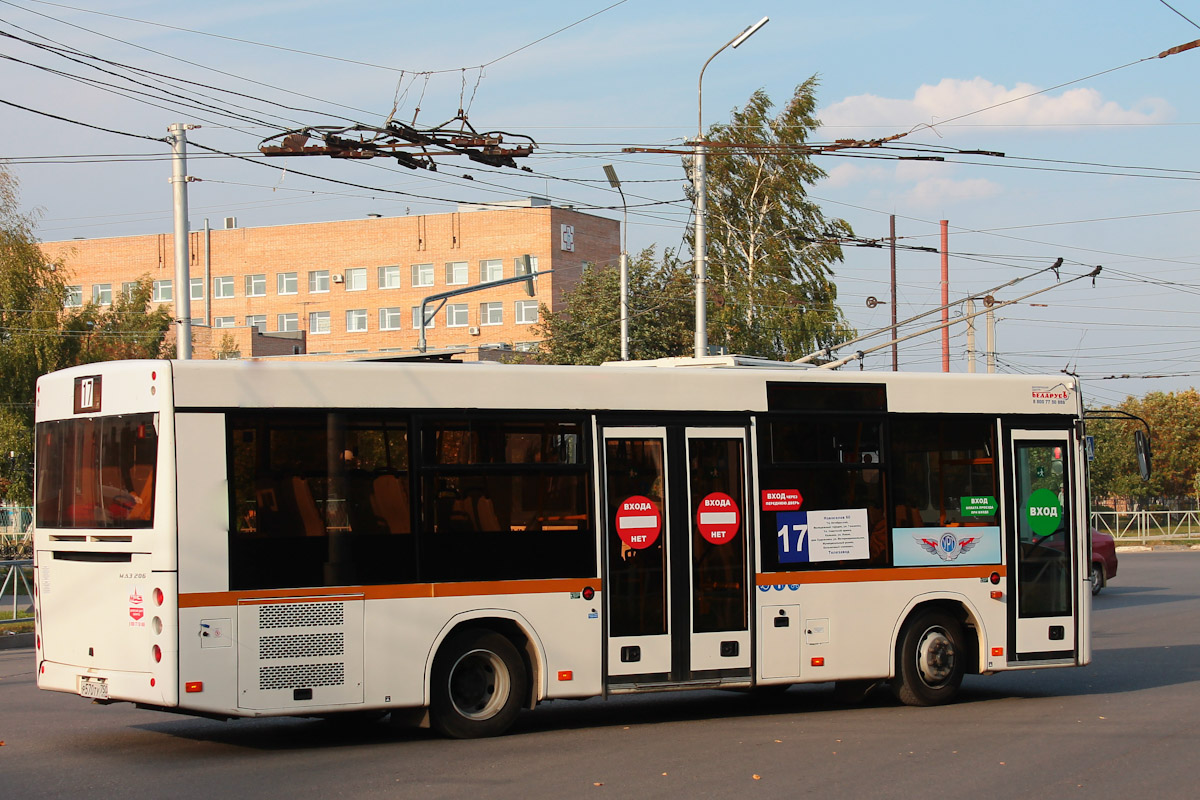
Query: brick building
x,y
353,287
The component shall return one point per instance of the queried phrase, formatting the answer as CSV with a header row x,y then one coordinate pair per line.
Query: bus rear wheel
x,y
479,683
929,659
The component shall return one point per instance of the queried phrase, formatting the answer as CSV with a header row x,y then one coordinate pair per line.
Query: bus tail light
x,y
818,661
157,654
158,596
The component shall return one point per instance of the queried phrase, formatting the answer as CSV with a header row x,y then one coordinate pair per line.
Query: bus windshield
x,y
97,472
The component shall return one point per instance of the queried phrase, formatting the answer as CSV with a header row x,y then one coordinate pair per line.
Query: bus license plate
x,y
89,687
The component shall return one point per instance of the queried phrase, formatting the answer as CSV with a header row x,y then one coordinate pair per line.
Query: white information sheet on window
x,y
838,535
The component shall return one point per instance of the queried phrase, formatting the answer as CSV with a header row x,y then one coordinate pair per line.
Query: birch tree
x,y
770,248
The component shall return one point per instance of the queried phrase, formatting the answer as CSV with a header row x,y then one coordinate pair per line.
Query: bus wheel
x,y
479,683
929,665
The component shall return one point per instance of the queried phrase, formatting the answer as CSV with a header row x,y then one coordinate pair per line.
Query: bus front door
x,y
1043,552
676,550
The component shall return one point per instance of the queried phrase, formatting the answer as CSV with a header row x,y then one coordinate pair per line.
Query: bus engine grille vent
x,y
300,615
292,676
305,645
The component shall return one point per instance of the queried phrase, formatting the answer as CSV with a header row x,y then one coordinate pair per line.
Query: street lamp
x,y
615,182
701,246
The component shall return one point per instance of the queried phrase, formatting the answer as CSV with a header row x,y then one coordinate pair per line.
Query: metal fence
x,y
16,596
16,532
1144,527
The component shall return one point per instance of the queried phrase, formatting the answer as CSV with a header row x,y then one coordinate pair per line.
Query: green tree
x,y
1174,419
32,292
587,328
770,248
132,327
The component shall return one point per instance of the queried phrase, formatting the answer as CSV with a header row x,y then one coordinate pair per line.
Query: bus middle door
x,y
676,550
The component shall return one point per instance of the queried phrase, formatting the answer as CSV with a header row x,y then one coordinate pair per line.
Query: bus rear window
x,y
96,472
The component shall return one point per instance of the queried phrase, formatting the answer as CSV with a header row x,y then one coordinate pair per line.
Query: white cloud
x,y
952,97
939,192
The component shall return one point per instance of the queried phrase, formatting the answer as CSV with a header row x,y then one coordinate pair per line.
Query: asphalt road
x,y
1128,726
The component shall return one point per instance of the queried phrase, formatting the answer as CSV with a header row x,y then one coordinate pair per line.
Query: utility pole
x,y
945,295
991,341
892,238
177,133
970,334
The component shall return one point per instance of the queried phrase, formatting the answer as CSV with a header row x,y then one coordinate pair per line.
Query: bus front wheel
x,y
479,682
929,659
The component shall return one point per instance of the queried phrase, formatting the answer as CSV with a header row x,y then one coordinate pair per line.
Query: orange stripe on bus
x,y
390,592
883,574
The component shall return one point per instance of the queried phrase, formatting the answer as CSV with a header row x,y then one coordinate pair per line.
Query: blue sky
x,y
627,76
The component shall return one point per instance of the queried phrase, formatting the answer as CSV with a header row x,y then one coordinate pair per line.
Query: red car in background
x,y
1104,560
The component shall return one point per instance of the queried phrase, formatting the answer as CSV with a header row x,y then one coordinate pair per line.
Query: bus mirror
x,y
1141,443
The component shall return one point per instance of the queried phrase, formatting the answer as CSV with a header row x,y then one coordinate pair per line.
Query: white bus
x,y
239,539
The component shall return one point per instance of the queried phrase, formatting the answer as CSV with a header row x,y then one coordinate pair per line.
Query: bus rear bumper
x,y
104,685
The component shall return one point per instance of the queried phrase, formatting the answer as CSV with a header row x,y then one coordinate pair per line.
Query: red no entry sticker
x,y
718,518
639,522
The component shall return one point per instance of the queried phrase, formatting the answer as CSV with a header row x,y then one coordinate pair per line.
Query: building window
x,y
389,277
256,285
102,294
491,269
526,347
285,283
456,272
74,296
196,288
223,322
422,274
223,287
128,288
257,321
526,312
491,313
318,322
287,322
318,281
356,279
356,319
456,315
519,265
389,319
162,292
416,317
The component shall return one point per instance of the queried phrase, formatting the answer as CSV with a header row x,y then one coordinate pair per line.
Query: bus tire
x,y
479,684
930,659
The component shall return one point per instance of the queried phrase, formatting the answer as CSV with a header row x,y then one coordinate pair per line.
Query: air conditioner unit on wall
x,y
473,331
339,279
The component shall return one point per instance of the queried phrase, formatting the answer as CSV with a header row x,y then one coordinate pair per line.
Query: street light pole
x,y
700,256
615,182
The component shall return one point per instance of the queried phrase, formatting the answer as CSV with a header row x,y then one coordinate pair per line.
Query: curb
x,y
1160,548
16,641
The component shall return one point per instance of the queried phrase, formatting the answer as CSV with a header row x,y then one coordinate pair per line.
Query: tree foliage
x,y
587,328
770,248
31,300
37,335
1174,419
129,328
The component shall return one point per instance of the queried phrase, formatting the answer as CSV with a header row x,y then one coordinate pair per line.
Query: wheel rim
x,y
479,684
935,656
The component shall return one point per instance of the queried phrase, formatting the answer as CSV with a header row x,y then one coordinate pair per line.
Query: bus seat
x,y
389,500
310,517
